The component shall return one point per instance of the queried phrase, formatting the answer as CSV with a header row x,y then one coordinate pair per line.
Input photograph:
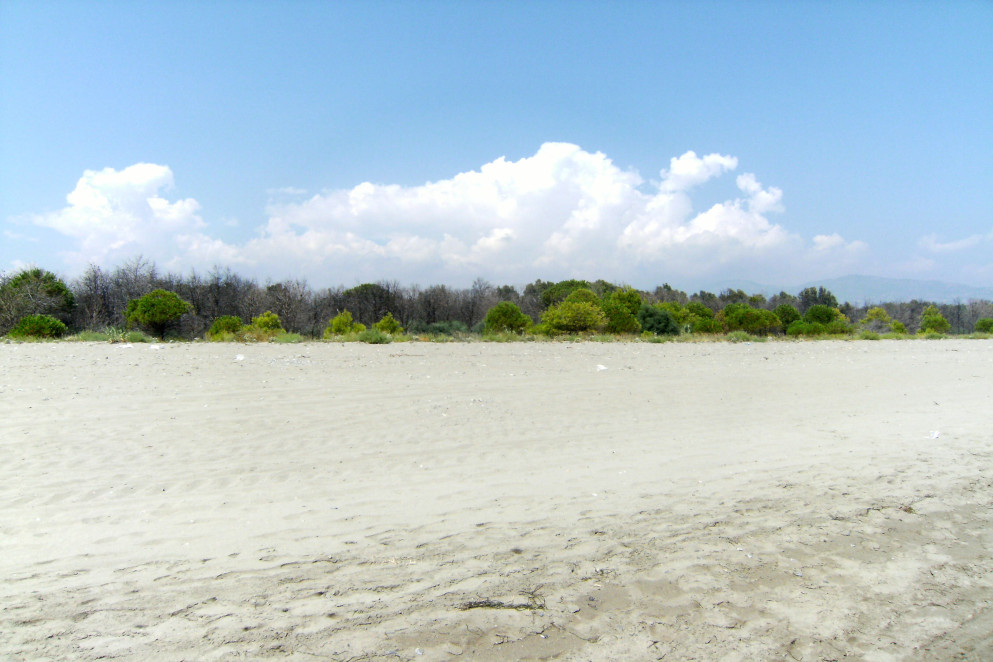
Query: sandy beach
x,y
476,501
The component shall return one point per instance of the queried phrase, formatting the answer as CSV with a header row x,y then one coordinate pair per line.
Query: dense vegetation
x,y
107,303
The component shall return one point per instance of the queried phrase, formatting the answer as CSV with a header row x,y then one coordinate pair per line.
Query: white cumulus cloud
x,y
561,212
930,243
115,214
835,242
689,170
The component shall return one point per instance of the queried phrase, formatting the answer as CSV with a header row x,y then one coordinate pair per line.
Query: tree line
x,y
99,299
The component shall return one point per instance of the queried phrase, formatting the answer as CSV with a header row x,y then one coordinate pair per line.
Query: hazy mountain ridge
x,y
877,289
857,289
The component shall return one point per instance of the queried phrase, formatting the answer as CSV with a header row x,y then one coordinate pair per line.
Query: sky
x,y
436,142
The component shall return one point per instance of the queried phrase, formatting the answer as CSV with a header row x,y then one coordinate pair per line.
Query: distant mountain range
x,y
876,289
858,290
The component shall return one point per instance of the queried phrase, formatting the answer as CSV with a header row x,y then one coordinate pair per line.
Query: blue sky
x,y
434,142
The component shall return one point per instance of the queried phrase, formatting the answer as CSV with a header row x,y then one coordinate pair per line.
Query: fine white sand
x,y
767,501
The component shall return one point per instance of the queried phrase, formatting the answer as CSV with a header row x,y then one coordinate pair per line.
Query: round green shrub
x,y
375,337
226,324
838,327
933,321
34,292
786,313
557,293
621,309
38,326
742,317
984,325
389,325
574,317
341,324
156,310
506,316
821,314
876,319
582,295
627,297
802,328
267,321
658,321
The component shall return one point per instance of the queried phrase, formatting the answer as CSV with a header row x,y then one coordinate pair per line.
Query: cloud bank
x,y
560,213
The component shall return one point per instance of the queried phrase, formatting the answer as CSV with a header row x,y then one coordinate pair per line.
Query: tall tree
x,y
816,296
34,292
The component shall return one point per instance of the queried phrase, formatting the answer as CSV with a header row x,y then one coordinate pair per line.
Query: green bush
x,y
573,317
389,325
839,327
898,327
821,314
156,311
628,297
342,324
506,316
375,337
621,308
541,329
38,326
678,312
933,321
658,321
876,319
33,292
267,321
47,284
582,295
226,327
803,328
706,325
984,325
787,314
557,293
742,317
697,309
869,335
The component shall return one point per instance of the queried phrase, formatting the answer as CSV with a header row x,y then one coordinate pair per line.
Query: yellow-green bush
x,y
506,316
342,324
267,321
389,325
573,317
